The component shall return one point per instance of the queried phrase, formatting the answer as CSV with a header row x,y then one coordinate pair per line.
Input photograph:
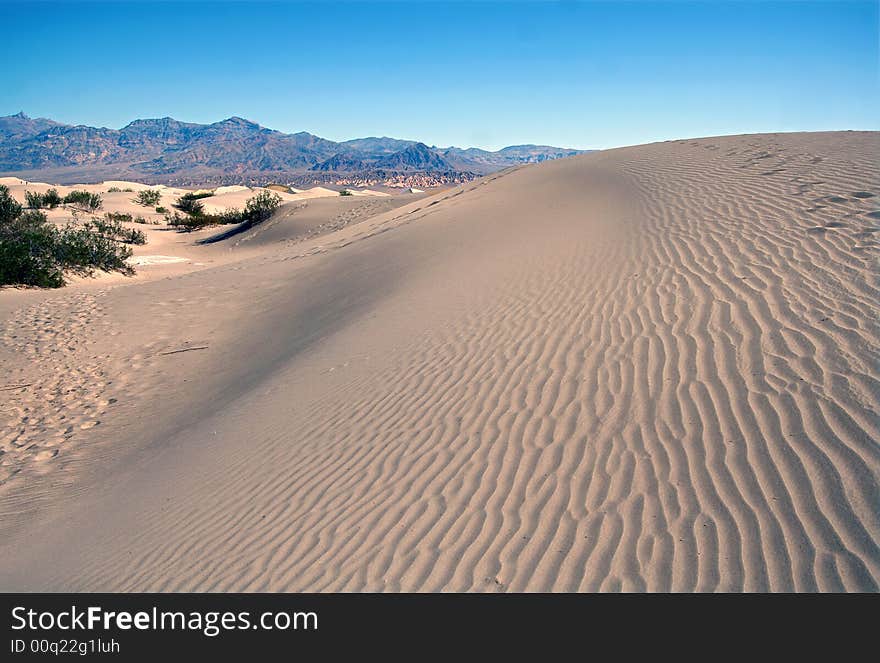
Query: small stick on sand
x,y
172,352
15,386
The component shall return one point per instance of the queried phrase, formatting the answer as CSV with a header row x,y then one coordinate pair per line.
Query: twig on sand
x,y
174,352
15,386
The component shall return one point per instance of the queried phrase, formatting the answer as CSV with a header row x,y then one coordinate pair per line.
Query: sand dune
x,y
123,201
651,368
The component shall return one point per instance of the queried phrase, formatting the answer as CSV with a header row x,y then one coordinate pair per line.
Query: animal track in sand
x,y
57,388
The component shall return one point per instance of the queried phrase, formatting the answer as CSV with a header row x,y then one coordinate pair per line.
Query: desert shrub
x,y
231,215
161,209
189,204
345,192
143,221
84,199
51,199
257,209
81,251
33,199
28,253
9,207
148,197
112,228
117,216
35,252
114,189
187,223
261,207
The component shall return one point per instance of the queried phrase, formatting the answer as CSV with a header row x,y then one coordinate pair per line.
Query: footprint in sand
x,y
863,194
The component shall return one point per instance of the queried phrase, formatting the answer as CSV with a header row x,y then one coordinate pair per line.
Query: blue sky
x,y
574,74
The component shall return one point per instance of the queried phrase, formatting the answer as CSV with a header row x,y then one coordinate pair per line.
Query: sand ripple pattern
x,y
670,385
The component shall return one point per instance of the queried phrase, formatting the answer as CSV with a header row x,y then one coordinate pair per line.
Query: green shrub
x,y
82,251
84,200
33,199
35,252
189,204
257,209
148,197
112,228
261,207
51,199
345,192
161,210
117,216
186,223
9,207
114,189
231,215
28,254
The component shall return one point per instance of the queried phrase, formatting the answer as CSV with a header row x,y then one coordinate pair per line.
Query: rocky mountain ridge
x,y
234,149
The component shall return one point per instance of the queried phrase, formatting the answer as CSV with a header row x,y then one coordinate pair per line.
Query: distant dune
x,y
651,368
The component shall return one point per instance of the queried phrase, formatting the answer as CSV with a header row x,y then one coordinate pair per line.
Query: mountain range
x,y
236,150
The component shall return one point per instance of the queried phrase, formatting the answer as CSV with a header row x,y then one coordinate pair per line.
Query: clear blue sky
x,y
578,74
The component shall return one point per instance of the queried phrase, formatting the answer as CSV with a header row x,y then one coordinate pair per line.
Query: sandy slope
x,y
653,368
123,201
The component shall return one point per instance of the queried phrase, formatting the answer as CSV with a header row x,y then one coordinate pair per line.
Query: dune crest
x,y
652,368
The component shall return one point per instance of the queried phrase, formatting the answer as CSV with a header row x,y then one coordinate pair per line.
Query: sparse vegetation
x,y
10,208
51,199
161,210
110,227
186,223
189,204
189,223
261,207
114,189
257,209
33,199
86,201
117,216
36,252
148,197
345,192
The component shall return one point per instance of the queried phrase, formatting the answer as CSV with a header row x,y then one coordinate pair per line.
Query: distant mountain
x,y
344,162
413,157
234,150
482,161
21,126
382,145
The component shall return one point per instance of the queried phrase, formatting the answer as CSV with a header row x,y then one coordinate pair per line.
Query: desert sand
x,y
649,368
123,201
